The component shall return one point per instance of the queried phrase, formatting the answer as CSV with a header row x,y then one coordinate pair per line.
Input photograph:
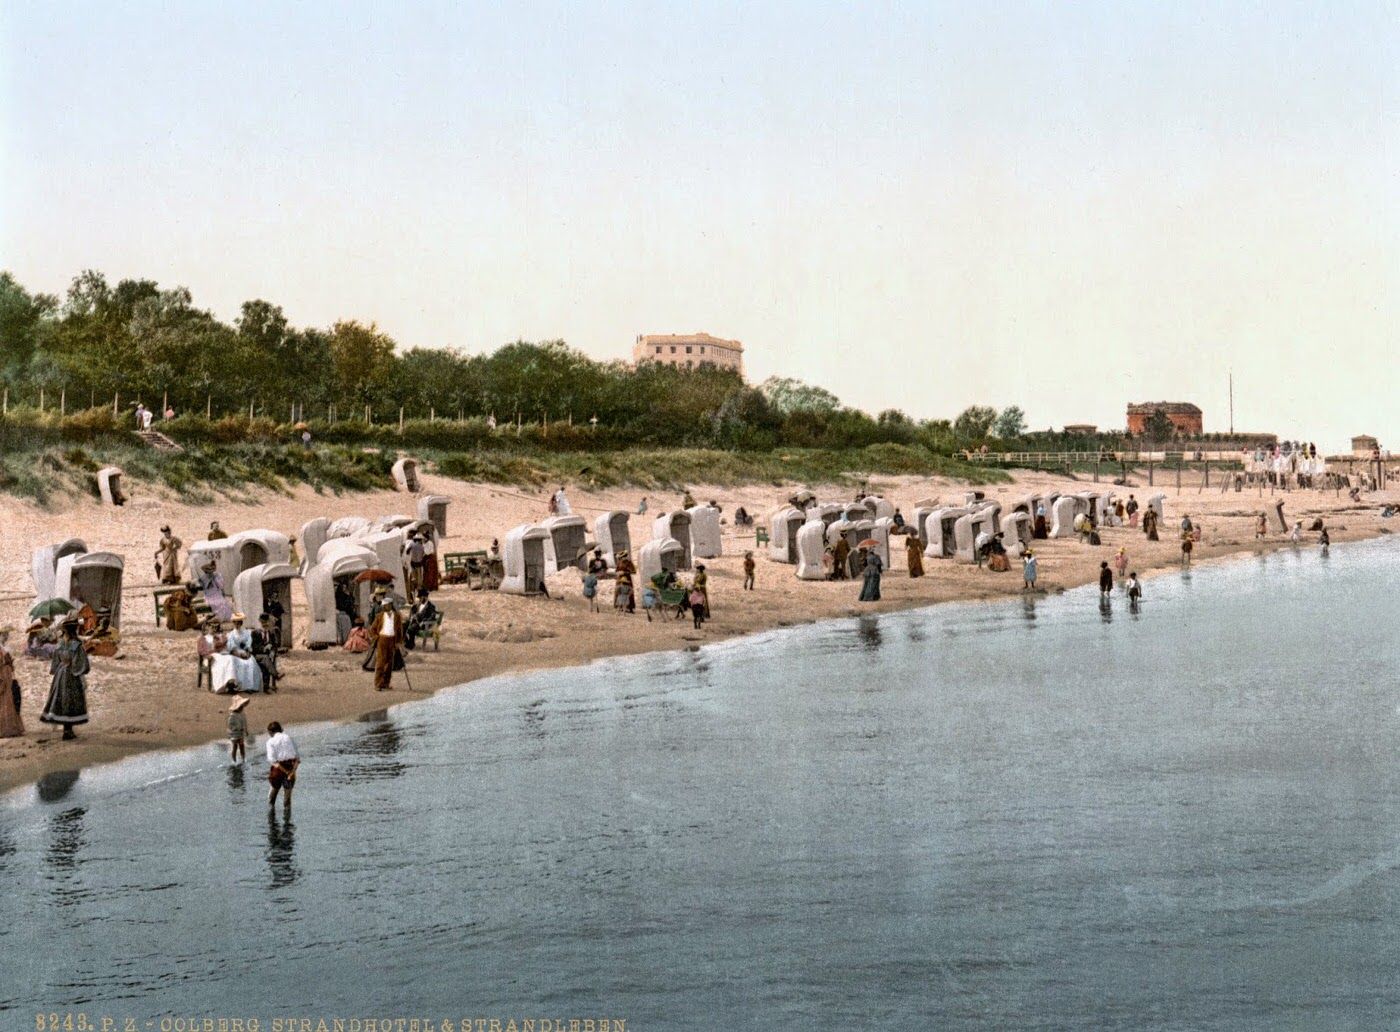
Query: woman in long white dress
x,y
239,646
212,650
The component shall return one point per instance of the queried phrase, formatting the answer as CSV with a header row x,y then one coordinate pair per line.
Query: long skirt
x,y
870,590
1041,531
916,562
11,726
67,701
218,604
430,572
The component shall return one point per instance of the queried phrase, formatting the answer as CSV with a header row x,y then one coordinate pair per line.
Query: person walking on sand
x,y
914,551
1188,541
749,567
642,506
67,701
1105,580
237,730
1132,510
1121,562
215,534
168,557
1261,527
283,761
11,725
590,591
1297,535
697,605
874,566
1028,570
561,503
702,585
386,633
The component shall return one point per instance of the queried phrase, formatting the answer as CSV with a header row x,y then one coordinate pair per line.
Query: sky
x,y
1064,207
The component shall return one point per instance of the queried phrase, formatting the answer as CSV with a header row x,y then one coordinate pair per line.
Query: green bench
x,y
760,537
476,569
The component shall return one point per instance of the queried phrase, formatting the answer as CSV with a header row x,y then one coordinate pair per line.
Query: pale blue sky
x,y
1061,206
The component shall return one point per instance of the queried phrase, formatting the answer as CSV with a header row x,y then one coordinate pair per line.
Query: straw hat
x,y
238,703
237,617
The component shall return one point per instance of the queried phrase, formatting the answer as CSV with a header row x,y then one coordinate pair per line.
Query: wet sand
x,y
146,698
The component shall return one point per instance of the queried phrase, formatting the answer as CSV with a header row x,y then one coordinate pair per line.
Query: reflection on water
x,y
56,784
1031,816
281,847
868,628
1105,608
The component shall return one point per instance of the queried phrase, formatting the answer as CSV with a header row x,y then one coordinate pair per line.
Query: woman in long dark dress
x,y
870,589
67,701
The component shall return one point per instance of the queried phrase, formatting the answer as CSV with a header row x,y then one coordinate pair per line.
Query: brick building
x,y
1185,417
689,350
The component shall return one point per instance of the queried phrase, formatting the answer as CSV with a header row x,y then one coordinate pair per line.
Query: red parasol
x,y
377,576
869,543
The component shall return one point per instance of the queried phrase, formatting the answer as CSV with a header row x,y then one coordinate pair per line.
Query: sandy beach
x,y
146,698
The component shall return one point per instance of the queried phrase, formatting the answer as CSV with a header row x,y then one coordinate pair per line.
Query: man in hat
x,y
386,633
415,563
237,730
215,534
421,620
266,641
168,557
379,600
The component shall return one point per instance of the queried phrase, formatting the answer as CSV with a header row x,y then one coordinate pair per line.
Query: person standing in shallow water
x,y
1105,579
67,701
283,760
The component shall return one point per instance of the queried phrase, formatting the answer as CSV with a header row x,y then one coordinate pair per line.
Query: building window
x,y
702,349
688,349
658,351
673,349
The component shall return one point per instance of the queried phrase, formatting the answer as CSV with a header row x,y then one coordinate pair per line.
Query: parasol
x,y
869,543
376,576
301,426
586,548
51,607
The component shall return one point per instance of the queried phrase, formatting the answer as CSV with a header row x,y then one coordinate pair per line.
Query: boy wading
x,y
283,759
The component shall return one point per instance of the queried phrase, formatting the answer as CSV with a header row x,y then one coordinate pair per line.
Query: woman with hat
x,y
67,701
702,585
623,595
11,726
168,557
211,586
239,645
915,549
238,729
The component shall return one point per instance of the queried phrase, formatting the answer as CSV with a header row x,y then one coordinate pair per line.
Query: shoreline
x,y
487,635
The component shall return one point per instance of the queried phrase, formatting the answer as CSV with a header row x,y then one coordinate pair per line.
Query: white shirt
x,y
281,747
387,627
563,504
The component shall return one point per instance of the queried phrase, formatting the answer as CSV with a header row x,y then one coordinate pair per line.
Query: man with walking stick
x,y
386,637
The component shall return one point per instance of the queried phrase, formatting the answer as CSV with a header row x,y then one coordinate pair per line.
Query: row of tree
x,y
152,344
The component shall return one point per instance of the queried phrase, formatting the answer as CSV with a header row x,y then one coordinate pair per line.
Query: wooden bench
x,y
475,569
201,607
760,537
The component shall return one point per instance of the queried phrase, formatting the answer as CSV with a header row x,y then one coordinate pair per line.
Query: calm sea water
x,y
1030,815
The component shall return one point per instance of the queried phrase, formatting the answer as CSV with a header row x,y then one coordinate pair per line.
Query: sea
x,y
1052,812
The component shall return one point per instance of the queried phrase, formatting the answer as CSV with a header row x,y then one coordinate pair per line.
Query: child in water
x,y
237,730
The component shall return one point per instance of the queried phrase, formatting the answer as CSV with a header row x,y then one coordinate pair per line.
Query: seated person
x,y
179,611
41,639
104,641
421,620
899,519
213,650
598,566
358,638
742,517
267,640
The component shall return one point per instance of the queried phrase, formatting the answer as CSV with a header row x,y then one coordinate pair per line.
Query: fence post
x,y
116,398
209,406
62,400
400,420
41,401
6,408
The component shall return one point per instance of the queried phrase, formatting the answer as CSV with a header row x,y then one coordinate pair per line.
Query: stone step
x,y
159,441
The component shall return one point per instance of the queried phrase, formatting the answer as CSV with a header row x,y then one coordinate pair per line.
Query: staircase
x,y
159,441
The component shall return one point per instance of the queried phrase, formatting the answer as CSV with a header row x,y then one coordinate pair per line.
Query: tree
x,y
788,395
974,423
1159,426
1011,422
25,321
363,359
